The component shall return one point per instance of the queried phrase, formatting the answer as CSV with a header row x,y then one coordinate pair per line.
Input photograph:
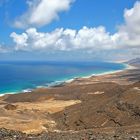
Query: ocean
x,y
24,76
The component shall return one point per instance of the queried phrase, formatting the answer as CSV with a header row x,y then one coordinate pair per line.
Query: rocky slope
x,y
6,134
105,110
104,107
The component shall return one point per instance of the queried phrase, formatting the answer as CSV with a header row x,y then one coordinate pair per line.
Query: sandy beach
x,y
105,104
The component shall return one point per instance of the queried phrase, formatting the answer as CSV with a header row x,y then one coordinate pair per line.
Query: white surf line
x,y
6,93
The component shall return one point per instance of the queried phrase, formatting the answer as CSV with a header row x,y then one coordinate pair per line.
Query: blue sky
x,y
73,15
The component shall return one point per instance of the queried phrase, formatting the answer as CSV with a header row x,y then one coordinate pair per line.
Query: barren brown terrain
x,y
99,107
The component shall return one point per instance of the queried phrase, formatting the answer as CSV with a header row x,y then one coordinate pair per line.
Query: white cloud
x,y
87,39
129,33
42,12
20,40
64,40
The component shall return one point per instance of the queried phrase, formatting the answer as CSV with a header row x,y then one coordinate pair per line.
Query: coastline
x,y
8,93
58,108
68,81
128,67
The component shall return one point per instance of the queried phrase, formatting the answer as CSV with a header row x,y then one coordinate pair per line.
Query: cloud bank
x,y
64,39
129,33
42,12
88,39
93,41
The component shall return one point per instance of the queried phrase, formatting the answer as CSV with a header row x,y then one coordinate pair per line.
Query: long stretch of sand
x,y
98,102
128,67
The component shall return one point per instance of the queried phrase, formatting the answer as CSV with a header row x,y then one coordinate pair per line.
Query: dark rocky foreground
x,y
109,109
79,135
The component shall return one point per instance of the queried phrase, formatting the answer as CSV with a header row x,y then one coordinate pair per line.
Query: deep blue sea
x,y
19,76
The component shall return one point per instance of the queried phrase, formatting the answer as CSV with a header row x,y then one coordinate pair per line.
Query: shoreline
x,y
128,67
68,81
108,98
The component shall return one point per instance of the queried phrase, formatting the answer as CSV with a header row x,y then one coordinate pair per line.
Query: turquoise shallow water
x,y
19,76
